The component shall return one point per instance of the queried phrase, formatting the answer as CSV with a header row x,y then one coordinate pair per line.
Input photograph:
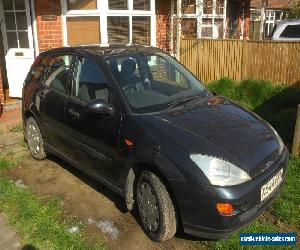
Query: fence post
x,y
243,61
296,142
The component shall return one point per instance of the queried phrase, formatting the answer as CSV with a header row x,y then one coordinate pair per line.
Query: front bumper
x,y
197,204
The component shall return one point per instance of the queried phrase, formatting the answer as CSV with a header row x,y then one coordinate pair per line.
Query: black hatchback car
x,y
138,121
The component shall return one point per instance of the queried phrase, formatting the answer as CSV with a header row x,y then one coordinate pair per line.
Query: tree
x,y
294,9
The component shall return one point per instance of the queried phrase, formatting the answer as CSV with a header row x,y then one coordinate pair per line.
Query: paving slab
x,y
10,119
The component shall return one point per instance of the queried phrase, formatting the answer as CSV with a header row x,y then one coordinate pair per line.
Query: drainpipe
x,y
179,18
262,19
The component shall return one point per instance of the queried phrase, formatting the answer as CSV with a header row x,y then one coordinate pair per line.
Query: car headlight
x,y
220,172
280,142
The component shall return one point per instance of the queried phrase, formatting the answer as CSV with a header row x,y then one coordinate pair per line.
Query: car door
x,y
93,138
53,96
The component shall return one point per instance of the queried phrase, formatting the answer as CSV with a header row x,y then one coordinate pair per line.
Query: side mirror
x,y
100,106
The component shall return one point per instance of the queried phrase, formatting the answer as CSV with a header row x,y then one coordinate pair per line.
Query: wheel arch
x,y
132,179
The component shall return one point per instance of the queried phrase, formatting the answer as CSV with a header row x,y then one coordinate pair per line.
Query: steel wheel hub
x,y
33,139
148,206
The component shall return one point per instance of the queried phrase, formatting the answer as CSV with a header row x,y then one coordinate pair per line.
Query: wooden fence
x,y
211,60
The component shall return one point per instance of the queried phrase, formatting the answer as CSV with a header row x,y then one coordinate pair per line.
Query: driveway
x,y
92,203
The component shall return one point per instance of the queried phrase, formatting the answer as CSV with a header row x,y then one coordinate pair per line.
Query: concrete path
x,y
10,119
11,146
9,239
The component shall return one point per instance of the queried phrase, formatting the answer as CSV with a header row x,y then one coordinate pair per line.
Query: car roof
x,y
103,49
289,21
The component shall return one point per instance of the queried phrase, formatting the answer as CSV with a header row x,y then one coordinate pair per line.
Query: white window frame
x,y
28,30
270,18
103,12
199,15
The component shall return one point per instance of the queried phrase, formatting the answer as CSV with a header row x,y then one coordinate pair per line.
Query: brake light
x,y
128,143
36,61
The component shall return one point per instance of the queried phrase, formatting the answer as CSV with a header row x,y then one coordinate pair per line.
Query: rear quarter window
x,y
291,31
57,72
37,70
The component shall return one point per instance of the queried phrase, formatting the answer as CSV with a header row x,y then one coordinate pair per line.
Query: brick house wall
x,y
2,68
246,34
163,10
238,8
49,32
1,92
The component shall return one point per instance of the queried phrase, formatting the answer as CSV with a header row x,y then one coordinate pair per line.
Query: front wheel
x,y
155,207
35,140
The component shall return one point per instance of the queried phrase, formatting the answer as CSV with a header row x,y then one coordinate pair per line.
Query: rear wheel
x,y
35,140
155,207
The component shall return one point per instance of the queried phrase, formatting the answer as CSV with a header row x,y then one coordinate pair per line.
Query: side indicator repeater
x,y
128,143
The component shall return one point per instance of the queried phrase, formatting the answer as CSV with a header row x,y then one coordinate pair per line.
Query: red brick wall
x,y
49,32
247,20
163,34
1,89
2,62
242,6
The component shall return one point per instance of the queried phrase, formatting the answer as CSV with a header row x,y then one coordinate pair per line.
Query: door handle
x,y
41,94
74,113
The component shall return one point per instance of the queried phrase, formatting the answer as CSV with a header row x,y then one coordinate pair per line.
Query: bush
x,y
256,92
225,87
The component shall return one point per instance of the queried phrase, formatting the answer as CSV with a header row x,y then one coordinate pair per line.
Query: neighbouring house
x,y
31,26
275,11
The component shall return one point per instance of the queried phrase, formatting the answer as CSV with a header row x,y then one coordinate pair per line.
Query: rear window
x,y
291,31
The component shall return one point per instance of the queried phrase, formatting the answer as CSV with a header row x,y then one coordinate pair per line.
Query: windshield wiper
x,y
182,101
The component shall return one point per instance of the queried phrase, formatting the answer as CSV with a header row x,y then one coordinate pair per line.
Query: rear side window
x,y
89,83
57,73
291,31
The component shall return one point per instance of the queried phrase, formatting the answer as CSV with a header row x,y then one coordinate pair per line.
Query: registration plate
x,y
271,185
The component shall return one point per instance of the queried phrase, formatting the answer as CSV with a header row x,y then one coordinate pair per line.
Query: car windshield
x,y
153,82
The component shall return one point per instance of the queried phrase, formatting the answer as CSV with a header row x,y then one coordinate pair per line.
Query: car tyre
x,y
35,140
155,207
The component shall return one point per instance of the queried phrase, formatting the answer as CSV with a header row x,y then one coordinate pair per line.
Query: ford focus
x,y
139,122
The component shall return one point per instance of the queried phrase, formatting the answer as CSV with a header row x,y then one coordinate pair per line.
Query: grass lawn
x,y
41,224
278,106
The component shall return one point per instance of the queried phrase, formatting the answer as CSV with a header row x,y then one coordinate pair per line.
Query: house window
x,y
201,18
207,7
120,21
141,4
189,28
117,4
81,4
188,6
141,32
89,30
271,18
16,27
118,29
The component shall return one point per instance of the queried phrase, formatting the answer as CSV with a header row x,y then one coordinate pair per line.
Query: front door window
x,y
90,82
16,24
